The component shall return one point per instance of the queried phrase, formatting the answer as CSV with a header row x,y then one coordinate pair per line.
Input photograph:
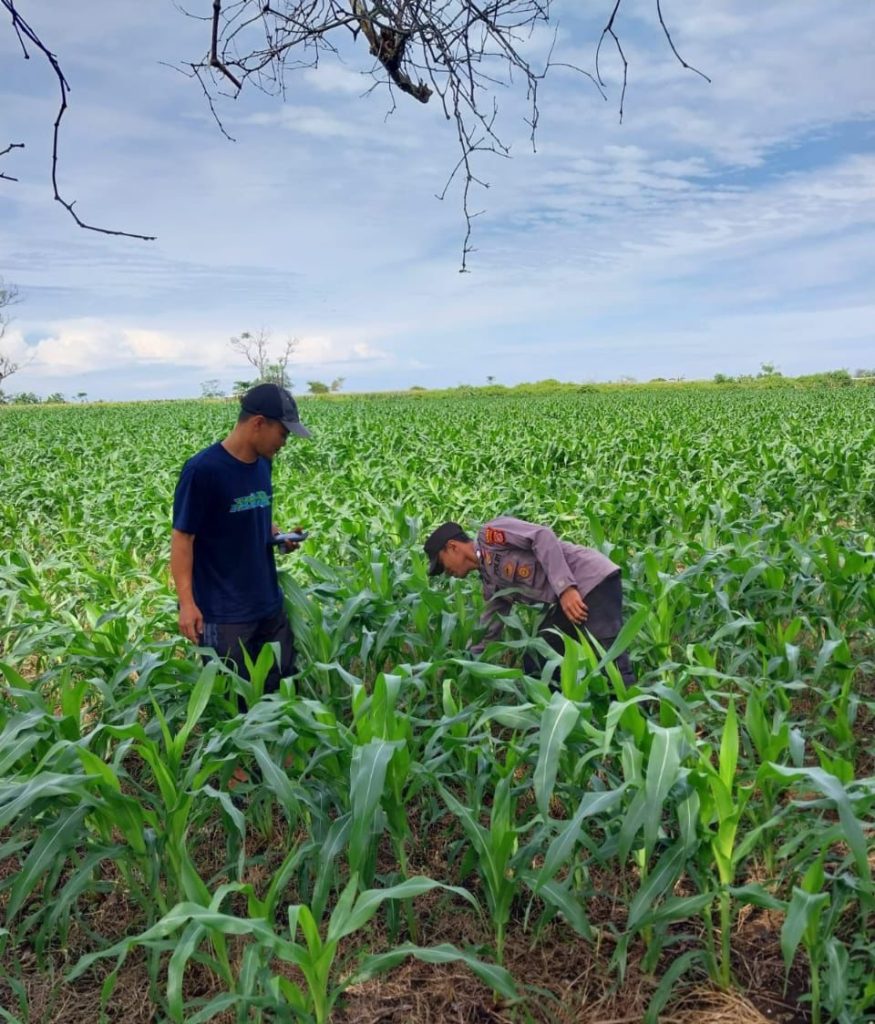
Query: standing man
x,y
221,555
520,561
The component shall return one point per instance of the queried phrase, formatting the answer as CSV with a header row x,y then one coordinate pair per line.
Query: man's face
x,y
454,560
272,436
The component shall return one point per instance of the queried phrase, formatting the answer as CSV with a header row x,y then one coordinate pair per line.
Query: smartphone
x,y
281,538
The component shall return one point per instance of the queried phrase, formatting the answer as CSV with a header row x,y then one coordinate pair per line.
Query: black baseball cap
x,y
438,541
275,403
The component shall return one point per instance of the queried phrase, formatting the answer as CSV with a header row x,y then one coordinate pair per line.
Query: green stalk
x,y
725,935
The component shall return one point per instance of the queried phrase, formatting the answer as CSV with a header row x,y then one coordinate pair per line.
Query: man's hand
x,y
573,605
191,621
289,545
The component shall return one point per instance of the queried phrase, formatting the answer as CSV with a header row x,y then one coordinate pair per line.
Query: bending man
x,y
520,561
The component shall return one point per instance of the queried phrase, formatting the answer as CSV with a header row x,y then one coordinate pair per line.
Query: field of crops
x,y
427,837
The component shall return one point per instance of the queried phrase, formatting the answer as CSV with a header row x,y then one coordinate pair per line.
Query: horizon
x,y
9,399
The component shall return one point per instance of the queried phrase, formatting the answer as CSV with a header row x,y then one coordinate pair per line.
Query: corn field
x,y
427,836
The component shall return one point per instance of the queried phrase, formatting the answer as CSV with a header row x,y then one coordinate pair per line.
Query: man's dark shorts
x,y
228,638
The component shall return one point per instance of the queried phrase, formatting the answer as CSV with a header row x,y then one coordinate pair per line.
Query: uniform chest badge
x,y
525,572
494,536
508,569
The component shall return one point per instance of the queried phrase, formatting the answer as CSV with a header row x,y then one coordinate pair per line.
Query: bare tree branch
x,y
27,35
3,152
463,52
681,61
608,30
460,51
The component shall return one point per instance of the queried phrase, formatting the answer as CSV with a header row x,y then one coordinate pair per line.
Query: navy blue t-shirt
x,y
226,504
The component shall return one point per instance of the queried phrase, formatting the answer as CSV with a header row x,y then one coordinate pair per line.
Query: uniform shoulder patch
x,y
494,536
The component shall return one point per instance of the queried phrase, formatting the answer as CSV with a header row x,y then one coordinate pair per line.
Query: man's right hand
x,y
574,605
191,621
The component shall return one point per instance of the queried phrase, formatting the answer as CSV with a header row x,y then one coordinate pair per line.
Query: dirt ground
x,y
564,980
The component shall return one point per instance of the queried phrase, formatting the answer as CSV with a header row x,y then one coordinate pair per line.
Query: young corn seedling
x,y
803,924
723,799
496,849
186,928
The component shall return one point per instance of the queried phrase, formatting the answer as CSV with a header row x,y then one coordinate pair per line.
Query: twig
x,y
24,31
3,152
683,63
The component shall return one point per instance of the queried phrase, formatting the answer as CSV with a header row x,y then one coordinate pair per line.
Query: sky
x,y
721,225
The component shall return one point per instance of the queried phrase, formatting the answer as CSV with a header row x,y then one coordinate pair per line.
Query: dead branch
x,y
27,35
3,152
460,51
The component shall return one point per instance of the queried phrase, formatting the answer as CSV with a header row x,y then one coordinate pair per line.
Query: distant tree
x,y
26,398
81,396
417,387
241,387
275,373
211,388
56,398
317,387
490,379
8,297
272,366
769,370
337,383
721,378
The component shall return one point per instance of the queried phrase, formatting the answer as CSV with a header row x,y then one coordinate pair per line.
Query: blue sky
x,y
718,227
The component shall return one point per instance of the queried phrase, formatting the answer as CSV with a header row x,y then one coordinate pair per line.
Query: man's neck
x,y
474,557
240,446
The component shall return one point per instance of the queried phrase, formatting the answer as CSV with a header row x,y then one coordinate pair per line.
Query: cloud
x,y
85,345
335,78
319,351
308,121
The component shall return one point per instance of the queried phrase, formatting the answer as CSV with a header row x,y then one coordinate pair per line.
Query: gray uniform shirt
x,y
532,561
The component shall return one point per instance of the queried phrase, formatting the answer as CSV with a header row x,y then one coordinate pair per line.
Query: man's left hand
x,y
289,545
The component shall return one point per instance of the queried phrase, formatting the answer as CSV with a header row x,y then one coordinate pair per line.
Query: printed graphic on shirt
x,y
494,536
245,503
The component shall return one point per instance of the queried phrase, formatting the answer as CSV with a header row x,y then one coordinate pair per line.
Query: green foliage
x,y
731,775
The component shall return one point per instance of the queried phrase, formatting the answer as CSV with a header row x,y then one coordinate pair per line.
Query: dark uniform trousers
x,y
228,639
604,621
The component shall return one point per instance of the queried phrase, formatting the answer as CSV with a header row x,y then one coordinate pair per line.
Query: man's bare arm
x,y
191,621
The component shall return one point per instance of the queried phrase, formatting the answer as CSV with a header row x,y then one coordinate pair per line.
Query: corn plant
x,y
187,926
